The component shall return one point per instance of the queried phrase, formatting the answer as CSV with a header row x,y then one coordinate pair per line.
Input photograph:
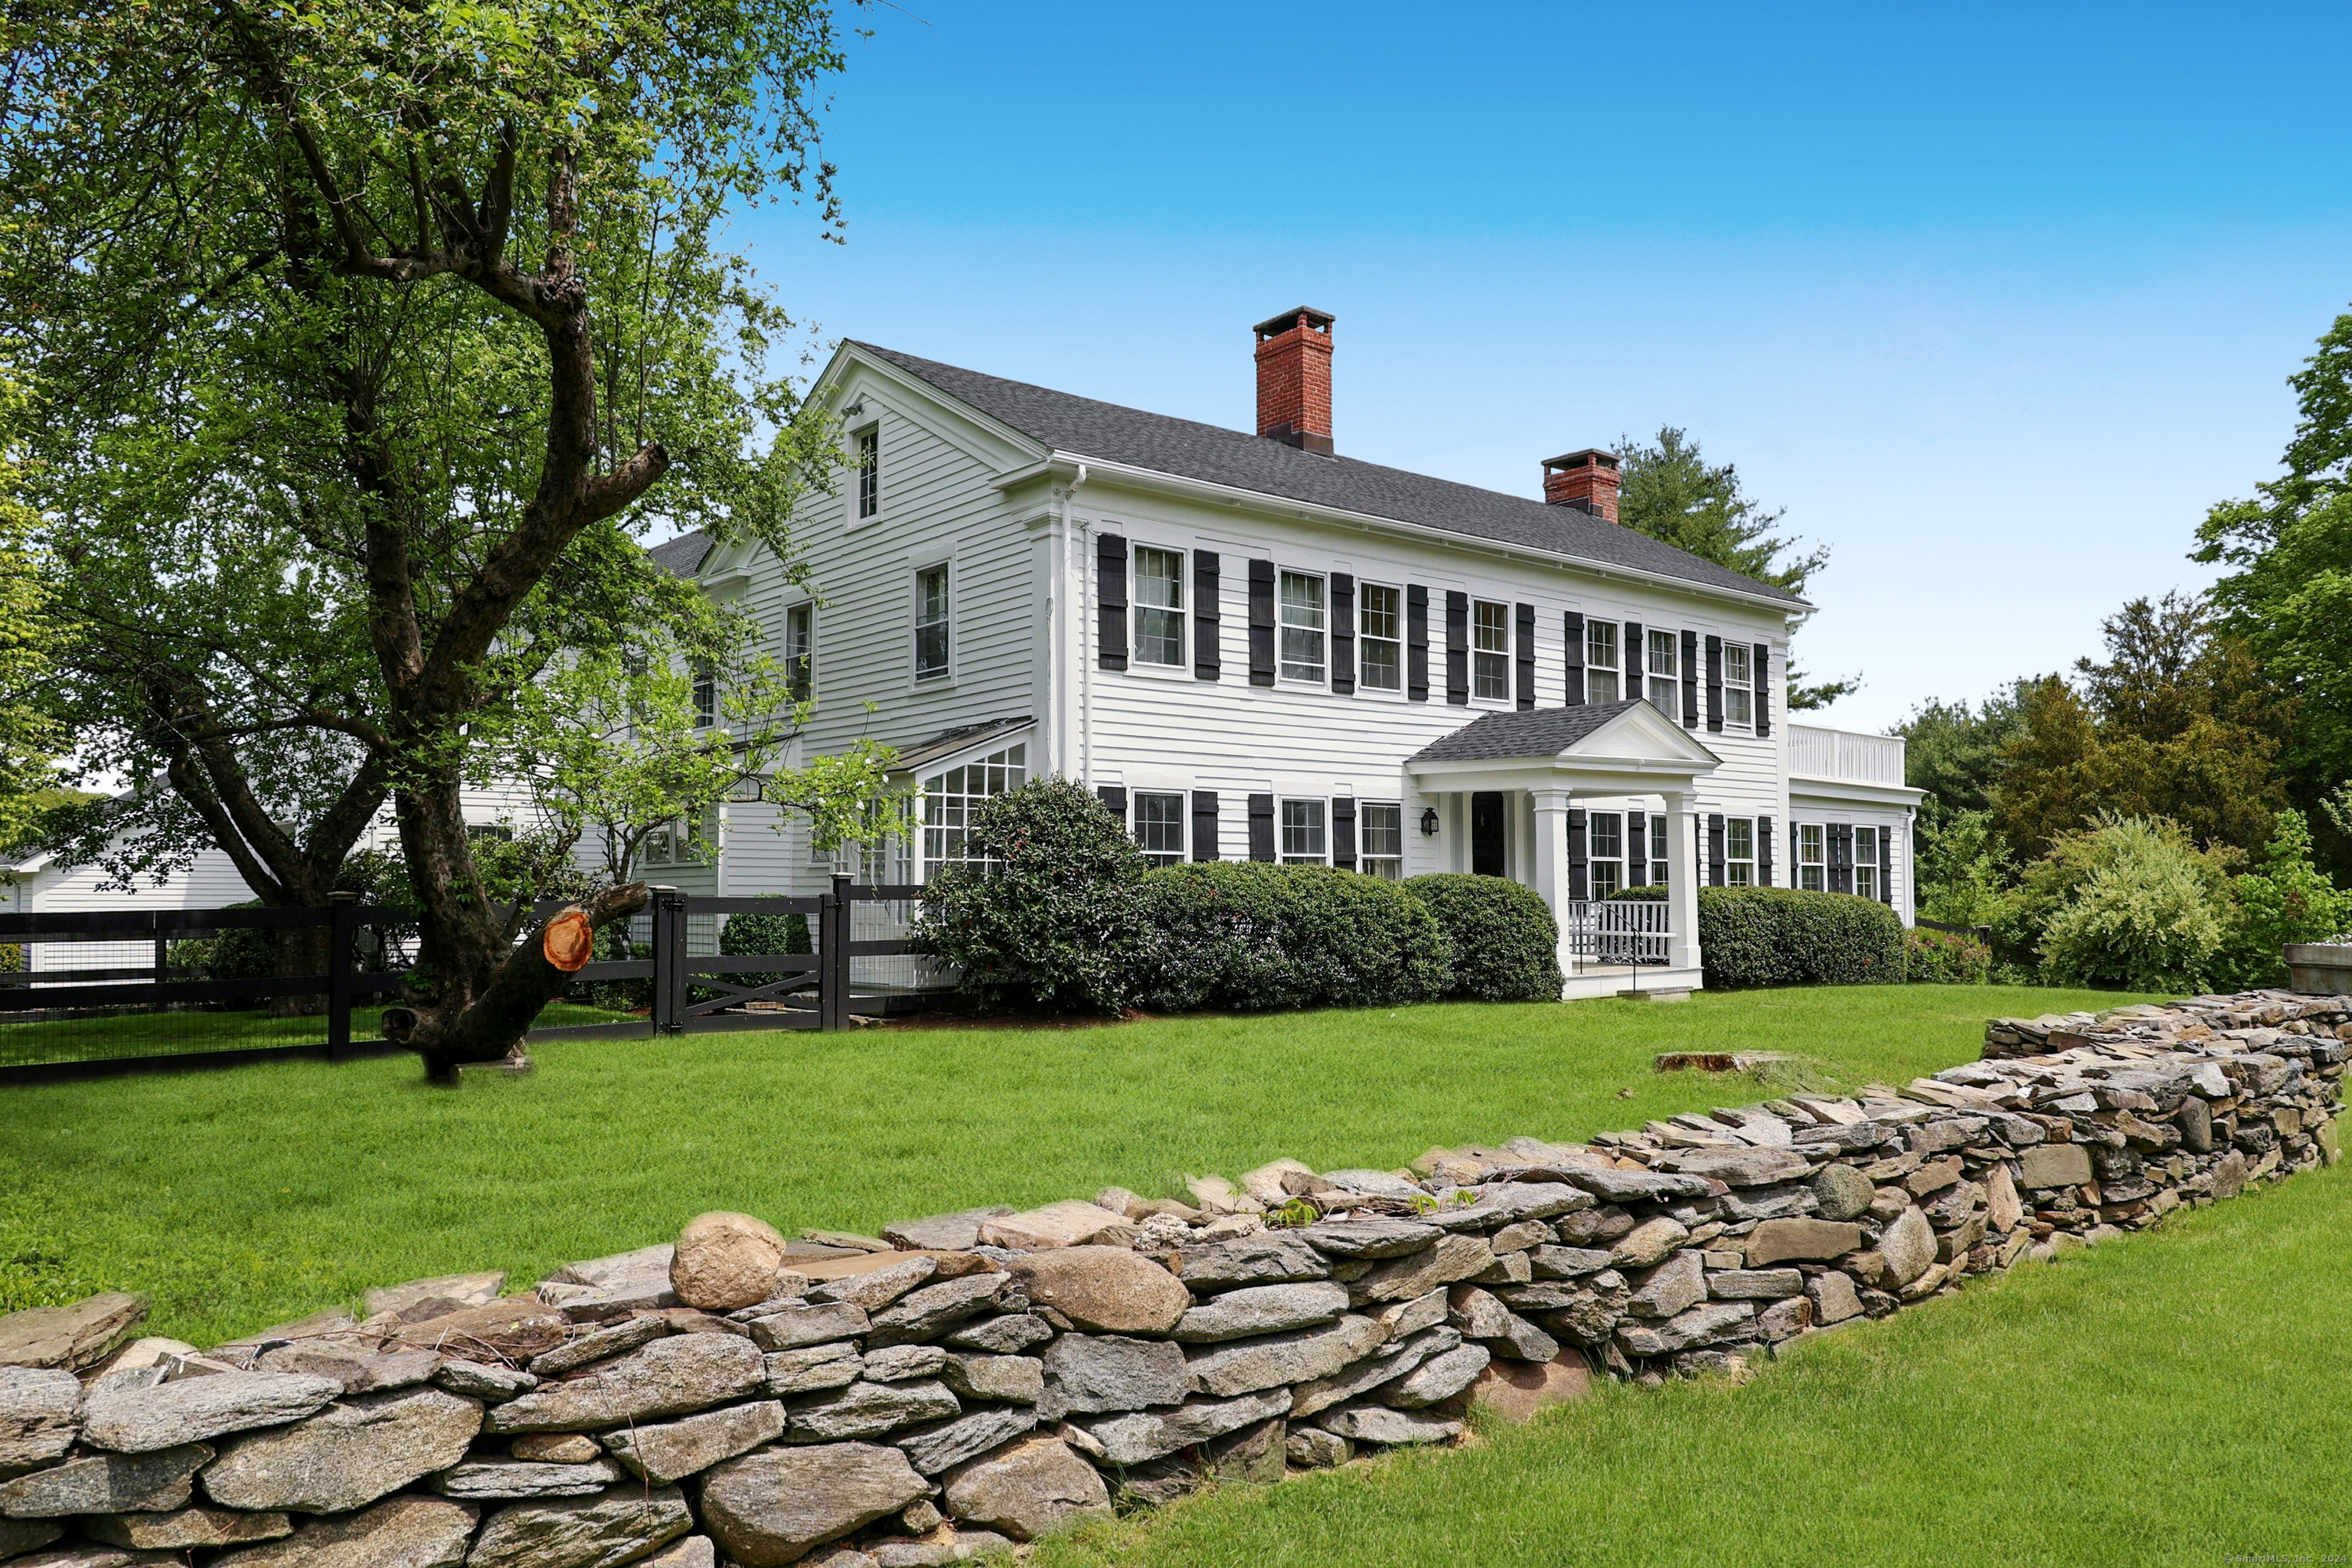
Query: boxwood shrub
x,y
1787,936
1505,942
1944,958
1251,935
757,936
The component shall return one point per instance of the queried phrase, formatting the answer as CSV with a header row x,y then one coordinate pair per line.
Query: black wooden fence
x,y
143,990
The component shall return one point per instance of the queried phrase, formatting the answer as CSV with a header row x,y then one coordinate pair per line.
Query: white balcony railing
x,y
1842,755
1606,932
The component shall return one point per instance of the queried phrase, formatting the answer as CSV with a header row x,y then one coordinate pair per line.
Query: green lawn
x,y
245,1197
183,1030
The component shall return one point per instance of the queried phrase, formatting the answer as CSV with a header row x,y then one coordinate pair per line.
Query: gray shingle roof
x,y
682,556
1536,732
1084,427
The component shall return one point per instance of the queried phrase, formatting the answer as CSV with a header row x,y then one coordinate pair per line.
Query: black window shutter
x,y
1343,633
1633,660
1261,628
1841,854
1764,852
1110,599
1690,680
1524,624
1457,647
1261,832
1763,668
1115,797
1637,850
1715,683
1572,625
1204,825
1207,622
1714,849
1343,832
1416,643
1886,865
1579,856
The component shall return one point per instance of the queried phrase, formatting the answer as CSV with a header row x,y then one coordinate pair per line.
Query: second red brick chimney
x,y
1294,379
1586,481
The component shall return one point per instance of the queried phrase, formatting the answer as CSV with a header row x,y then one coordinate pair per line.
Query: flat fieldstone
x,y
934,1449
692,1552
1072,1222
40,1411
356,1368
1453,1258
1140,1437
1755,1167
1792,1240
187,1528
1254,1309
809,1325
673,1376
1700,1326
1516,1390
878,1287
74,1337
770,1508
1098,1373
512,1330
556,1448
1104,1289
2053,1165
1439,1378
604,1343
1379,1424
902,1363
399,1532
1376,1238
460,1289
348,1455
1637,1186
948,1232
869,1409
724,1260
621,1526
1507,1202
1249,1365
1675,1286
505,1480
1648,1243
1269,1257
1754,1284
1007,1334
1030,1490
933,1310
18,1536
482,1381
667,1451
1833,1296
813,1368
1391,1363
1014,1379
106,1483
144,1420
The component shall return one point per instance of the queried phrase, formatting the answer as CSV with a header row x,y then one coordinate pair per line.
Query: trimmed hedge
x,y
1250,935
1505,942
1944,958
758,936
1787,936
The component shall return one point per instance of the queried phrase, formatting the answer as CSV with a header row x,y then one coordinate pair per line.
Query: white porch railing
x,y
1617,930
1817,753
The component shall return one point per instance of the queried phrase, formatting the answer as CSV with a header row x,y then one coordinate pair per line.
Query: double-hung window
x,y
1605,846
1738,696
1302,626
1304,842
1490,650
869,473
931,622
1599,661
1160,827
1666,675
800,651
1739,851
1380,826
1865,862
1659,865
1812,857
949,798
705,697
1380,637
1158,605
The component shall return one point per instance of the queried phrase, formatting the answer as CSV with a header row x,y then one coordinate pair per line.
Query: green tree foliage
x,y
1965,873
2285,899
2050,778
30,645
1952,749
1670,491
2131,902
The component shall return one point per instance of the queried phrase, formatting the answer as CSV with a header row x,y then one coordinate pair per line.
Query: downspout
x,y
1080,636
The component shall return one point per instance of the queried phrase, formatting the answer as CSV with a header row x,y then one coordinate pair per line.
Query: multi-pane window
x,y
930,623
1665,682
1739,700
1490,650
869,472
1812,857
1865,862
1659,865
705,697
1605,844
1381,826
1158,605
676,842
1739,851
950,798
1302,626
800,650
1379,636
1303,840
1601,662
1160,827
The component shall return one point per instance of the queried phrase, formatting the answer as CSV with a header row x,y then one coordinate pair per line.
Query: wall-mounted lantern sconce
x,y
1429,821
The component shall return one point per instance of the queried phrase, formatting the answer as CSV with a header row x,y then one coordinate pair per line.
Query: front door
x,y
1486,833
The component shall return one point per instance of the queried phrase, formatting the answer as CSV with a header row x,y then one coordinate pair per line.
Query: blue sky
x,y
1995,300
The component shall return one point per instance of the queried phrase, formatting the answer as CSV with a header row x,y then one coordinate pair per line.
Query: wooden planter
x,y
2319,968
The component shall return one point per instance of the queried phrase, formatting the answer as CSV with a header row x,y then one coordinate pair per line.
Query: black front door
x,y
1486,833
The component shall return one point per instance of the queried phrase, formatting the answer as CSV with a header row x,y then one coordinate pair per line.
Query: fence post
x,y
162,964
342,927
832,993
670,956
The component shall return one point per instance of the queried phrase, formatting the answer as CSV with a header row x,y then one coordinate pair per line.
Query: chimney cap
x,y
1274,325
1580,458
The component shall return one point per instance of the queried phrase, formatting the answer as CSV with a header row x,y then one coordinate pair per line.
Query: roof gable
x,y
1611,731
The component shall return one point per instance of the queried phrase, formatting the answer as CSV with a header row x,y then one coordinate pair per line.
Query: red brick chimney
x,y
1294,379
1586,481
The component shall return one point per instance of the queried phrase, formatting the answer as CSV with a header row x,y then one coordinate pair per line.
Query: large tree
x,y
30,735
366,339
1670,491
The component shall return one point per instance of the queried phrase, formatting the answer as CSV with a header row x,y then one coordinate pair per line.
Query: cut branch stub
x,y
568,940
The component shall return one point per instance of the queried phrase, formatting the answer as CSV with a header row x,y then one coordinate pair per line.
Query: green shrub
x,y
1787,936
2145,911
1251,935
1944,958
1053,919
2285,899
12,957
757,936
1504,941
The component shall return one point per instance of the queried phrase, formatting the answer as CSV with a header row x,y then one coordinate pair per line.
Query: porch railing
x,y
1613,932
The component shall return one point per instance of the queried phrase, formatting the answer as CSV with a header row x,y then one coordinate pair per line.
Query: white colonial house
x,y
1251,646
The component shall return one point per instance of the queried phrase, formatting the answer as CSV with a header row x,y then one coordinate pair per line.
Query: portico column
x,y
1551,862
1681,880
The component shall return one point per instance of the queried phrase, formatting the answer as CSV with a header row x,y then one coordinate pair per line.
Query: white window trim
x,y
1136,662
915,567
1591,859
1821,862
1404,831
1590,668
1403,645
1283,859
1875,865
1729,859
1183,797
784,638
1745,687
1672,675
851,491
1282,678
1509,665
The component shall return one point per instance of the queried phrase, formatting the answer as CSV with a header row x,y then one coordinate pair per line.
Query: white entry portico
x,y
1530,767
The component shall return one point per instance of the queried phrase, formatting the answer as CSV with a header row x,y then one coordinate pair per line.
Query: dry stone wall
x,y
966,1383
